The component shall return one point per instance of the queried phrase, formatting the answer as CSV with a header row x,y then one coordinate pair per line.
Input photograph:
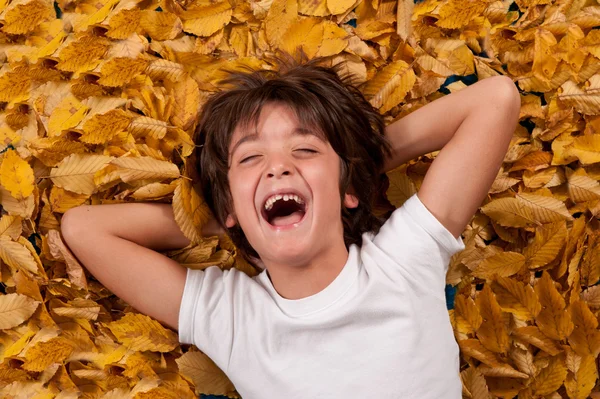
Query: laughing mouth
x,y
284,209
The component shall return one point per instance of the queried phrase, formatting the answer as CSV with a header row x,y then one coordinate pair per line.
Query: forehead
x,y
271,117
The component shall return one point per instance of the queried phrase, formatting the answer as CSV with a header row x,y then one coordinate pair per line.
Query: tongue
x,y
287,220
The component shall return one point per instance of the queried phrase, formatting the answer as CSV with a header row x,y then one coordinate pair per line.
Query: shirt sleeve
x,y
418,247
206,315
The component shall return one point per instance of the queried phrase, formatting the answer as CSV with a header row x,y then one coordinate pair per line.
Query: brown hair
x,y
321,99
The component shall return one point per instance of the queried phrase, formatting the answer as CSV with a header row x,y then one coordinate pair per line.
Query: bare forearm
x,y
151,225
431,127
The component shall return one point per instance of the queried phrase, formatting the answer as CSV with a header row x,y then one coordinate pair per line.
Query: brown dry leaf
x,y
121,70
492,331
161,25
553,320
99,106
585,338
390,86
15,309
467,315
139,332
515,297
551,377
204,20
504,264
509,212
549,240
474,382
205,373
533,336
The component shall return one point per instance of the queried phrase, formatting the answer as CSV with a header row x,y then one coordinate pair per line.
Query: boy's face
x,y
279,158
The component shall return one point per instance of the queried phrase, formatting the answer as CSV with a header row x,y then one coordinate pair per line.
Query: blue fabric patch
x,y
450,294
57,10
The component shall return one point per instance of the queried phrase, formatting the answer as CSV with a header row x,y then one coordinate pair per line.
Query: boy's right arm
x,y
117,244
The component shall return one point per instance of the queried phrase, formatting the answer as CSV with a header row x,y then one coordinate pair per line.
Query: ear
x,y
230,221
350,201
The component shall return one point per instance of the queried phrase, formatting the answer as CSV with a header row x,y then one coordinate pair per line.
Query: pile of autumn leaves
x,y
99,103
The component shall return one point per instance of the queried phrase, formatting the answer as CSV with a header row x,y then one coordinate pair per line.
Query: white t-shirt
x,y
380,330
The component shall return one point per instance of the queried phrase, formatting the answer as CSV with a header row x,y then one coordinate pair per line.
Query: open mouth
x,y
284,209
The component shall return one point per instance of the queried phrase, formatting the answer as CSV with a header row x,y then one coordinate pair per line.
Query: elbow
x,y
506,96
69,222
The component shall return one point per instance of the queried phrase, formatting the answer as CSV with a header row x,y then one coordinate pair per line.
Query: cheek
x,y
242,191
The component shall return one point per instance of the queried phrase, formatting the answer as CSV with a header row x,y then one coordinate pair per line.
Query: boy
x,y
346,307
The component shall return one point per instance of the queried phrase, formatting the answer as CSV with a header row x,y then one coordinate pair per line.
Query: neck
x,y
303,280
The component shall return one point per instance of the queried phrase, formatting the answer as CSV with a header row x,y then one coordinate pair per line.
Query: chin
x,y
288,255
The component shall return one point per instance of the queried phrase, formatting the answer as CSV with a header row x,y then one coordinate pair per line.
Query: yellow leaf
x,y
102,127
15,309
467,315
239,39
139,332
581,187
190,210
589,268
67,115
16,175
142,168
401,187
306,33
43,354
592,296
474,348
492,332
76,172
544,60
25,17
523,359
474,383
549,240
15,85
119,71
281,15
587,103
204,373
579,385
82,55
187,101
94,13
569,49
404,14
313,7
205,20
339,6
124,23
553,320
334,39
515,297
389,87
545,209
455,14
550,378
585,338
161,25
533,336
373,28
504,264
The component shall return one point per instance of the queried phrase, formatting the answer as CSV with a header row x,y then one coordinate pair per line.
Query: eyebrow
x,y
298,131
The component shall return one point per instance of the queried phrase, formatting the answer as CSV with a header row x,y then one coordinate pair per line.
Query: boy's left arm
x,y
472,128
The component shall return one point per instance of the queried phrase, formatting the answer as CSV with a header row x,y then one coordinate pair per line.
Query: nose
x,y
278,167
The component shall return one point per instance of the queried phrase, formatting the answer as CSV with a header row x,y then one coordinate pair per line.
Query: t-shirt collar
x,y
322,299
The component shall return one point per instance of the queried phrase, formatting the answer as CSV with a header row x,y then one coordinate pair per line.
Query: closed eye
x,y
307,150
248,158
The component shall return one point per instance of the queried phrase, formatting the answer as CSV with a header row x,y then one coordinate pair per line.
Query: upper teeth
x,y
286,197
